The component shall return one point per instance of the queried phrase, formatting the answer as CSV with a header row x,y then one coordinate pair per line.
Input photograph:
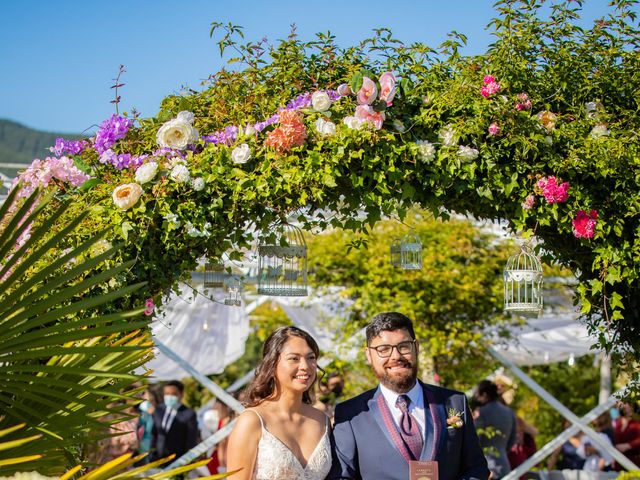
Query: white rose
x,y
146,172
320,101
447,136
241,154
325,128
354,123
125,196
467,153
197,184
186,117
180,174
599,130
176,133
427,150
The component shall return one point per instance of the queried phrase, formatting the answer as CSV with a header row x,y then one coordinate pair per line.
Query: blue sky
x,y
59,57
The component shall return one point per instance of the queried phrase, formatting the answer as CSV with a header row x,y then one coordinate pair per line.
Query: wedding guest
x,y
214,419
145,422
496,424
175,426
567,453
627,433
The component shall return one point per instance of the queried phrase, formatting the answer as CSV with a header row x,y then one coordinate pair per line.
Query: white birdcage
x,y
214,274
523,284
233,298
394,252
410,252
282,266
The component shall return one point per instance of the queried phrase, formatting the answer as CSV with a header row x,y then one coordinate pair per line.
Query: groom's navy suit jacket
x,y
363,448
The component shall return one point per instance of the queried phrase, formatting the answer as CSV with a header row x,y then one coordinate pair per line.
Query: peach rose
x,y
387,87
366,113
125,196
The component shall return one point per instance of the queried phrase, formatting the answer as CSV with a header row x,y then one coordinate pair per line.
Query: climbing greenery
x,y
540,131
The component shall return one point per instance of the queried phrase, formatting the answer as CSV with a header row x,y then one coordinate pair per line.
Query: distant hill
x,y
20,144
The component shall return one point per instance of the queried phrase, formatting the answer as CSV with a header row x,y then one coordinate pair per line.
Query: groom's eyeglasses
x,y
404,348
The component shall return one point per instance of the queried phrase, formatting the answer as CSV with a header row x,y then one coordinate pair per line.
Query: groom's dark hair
x,y
388,321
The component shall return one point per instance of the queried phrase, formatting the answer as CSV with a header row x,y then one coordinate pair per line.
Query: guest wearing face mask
x,y
175,426
152,399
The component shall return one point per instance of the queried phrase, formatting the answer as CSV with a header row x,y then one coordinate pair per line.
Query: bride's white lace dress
x,y
275,461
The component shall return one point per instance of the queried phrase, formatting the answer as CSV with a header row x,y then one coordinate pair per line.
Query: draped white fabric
x,y
206,334
554,337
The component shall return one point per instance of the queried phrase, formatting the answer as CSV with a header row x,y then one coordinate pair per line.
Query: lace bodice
x,y
275,461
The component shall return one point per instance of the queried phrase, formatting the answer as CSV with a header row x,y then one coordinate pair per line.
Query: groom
x,y
379,432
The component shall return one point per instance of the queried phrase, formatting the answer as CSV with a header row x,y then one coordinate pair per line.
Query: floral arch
x,y
541,131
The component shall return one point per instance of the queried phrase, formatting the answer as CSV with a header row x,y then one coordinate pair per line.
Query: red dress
x,y
214,463
630,435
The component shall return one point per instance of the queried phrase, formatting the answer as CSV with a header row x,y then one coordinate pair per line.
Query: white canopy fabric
x,y
206,334
553,337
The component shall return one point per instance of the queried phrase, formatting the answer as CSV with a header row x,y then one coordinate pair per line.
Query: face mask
x,y
211,419
615,413
171,401
145,406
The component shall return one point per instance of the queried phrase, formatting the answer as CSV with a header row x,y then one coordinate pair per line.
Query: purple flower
x,y
72,147
110,131
122,160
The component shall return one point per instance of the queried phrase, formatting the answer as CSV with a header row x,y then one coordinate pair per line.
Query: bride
x,y
280,435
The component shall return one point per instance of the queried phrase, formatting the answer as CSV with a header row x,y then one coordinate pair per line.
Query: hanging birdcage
x,y
233,298
214,274
410,252
282,266
523,284
394,253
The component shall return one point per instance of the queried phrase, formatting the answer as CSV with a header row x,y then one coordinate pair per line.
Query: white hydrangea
x,y
447,136
197,184
427,151
467,153
180,174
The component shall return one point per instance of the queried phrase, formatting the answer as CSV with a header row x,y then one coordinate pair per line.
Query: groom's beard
x,y
399,382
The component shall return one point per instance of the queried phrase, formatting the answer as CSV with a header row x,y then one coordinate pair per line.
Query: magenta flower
x,y
552,191
584,225
110,131
387,87
493,129
488,79
149,307
490,89
368,92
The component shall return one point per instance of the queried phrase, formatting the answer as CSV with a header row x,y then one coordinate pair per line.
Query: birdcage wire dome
x,y
410,252
233,297
523,284
394,253
282,266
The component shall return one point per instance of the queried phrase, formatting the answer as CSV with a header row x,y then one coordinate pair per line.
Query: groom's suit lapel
x,y
377,415
436,423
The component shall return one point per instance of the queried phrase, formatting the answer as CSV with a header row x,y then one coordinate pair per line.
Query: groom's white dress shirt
x,y
416,407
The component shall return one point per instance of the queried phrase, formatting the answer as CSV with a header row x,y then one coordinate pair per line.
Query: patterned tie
x,y
409,430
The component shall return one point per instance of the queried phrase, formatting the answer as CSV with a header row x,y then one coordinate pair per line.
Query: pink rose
x,y
584,225
493,129
366,113
552,191
523,102
490,89
344,90
368,92
528,202
488,79
387,87
149,307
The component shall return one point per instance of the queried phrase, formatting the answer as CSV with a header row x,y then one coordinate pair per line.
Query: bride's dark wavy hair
x,y
263,384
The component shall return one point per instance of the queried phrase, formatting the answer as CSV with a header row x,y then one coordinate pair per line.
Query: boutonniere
x,y
454,418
